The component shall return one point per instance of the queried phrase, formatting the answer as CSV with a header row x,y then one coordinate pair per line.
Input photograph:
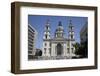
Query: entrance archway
x,y
59,49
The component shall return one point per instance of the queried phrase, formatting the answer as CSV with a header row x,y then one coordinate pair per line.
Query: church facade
x,y
59,45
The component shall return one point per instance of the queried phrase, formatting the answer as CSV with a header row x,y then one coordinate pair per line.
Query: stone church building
x,y
59,45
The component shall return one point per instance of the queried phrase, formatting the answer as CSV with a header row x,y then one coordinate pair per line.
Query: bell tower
x,y
71,31
71,39
46,40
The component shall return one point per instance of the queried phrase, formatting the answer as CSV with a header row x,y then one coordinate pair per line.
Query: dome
x,y
59,31
60,27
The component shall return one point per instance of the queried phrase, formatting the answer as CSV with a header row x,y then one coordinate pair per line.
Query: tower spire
x,y
47,30
70,22
71,30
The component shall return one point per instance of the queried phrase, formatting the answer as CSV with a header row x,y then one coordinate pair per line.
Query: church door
x,y
59,49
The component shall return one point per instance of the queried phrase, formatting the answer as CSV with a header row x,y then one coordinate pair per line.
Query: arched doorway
x,y
59,49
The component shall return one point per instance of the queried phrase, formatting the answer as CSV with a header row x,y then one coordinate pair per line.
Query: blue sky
x,y
39,21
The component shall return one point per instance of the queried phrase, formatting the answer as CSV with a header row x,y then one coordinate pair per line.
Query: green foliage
x,y
81,49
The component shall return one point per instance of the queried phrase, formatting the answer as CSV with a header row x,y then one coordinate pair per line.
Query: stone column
x,y
64,49
70,49
53,49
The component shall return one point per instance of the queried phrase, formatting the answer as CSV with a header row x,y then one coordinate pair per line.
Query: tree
x,y
38,52
76,45
81,49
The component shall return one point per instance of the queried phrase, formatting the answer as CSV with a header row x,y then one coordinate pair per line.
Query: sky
x,y
39,21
